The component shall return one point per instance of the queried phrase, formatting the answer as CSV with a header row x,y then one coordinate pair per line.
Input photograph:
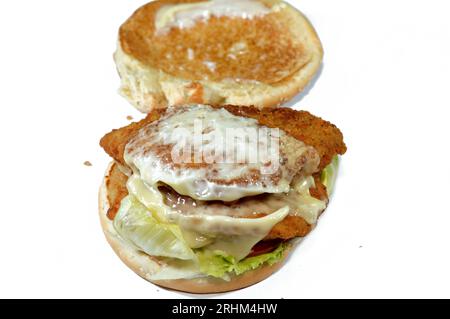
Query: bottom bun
x,y
147,266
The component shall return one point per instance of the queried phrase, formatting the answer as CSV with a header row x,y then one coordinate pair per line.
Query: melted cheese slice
x,y
235,236
210,154
221,226
205,224
216,229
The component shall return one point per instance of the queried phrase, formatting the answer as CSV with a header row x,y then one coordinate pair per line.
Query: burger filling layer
x,y
202,214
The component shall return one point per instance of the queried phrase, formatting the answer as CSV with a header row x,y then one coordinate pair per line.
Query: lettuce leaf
x,y
220,265
135,223
329,174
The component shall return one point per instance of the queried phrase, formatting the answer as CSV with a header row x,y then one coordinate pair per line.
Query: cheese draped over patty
x,y
223,180
210,154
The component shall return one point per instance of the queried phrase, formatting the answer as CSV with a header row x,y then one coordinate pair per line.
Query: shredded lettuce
x,y
142,227
221,265
135,223
329,175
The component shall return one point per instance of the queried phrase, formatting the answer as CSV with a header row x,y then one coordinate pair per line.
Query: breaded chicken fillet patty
x,y
213,211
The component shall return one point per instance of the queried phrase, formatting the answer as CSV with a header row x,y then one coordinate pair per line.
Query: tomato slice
x,y
264,247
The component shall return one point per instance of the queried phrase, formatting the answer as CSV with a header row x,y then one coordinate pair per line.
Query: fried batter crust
x,y
325,137
290,227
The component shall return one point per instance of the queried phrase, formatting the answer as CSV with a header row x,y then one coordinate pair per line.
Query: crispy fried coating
x,y
325,137
290,227
116,184
114,142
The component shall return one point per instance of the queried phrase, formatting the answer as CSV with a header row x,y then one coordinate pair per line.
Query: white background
x,y
385,83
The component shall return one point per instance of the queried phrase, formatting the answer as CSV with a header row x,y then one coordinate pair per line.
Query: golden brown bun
x,y
147,266
263,61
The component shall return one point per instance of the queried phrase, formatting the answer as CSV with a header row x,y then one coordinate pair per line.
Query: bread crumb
x,y
190,54
129,118
87,163
210,65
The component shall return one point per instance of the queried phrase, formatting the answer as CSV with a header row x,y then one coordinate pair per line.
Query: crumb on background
x,y
129,118
87,163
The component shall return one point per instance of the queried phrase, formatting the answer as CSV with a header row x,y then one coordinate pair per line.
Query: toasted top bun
x,y
148,267
262,61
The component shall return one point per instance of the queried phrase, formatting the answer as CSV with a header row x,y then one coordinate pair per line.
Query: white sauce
x,y
217,228
186,15
298,200
216,175
203,229
219,225
190,54
210,65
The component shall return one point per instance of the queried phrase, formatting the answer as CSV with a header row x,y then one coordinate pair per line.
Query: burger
x,y
208,199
